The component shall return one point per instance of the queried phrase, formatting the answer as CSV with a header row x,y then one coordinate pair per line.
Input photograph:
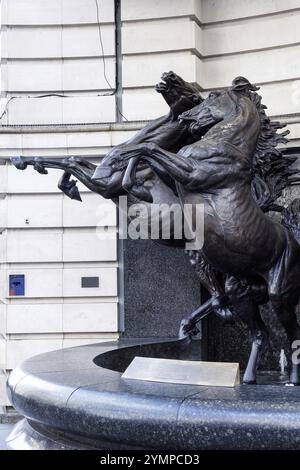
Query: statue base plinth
x,y
76,399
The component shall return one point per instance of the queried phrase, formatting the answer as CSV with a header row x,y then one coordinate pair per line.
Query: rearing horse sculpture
x,y
259,257
167,132
221,154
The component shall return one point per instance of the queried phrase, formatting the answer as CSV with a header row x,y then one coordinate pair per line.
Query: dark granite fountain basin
x,y
76,399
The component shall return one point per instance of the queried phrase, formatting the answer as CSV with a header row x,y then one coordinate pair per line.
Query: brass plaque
x,y
215,374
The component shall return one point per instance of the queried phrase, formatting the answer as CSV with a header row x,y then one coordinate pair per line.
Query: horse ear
x,y
243,84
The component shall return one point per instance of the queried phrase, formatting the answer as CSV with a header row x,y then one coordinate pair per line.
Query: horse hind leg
x,y
245,299
259,336
284,294
285,308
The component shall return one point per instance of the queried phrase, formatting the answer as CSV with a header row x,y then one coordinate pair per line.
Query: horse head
x,y
178,94
169,134
234,109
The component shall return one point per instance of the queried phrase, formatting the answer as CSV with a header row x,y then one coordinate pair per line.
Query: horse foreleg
x,y
176,166
81,169
188,326
218,303
40,164
129,179
68,186
213,282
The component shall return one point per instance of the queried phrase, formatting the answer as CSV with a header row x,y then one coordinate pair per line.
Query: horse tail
x,y
291,219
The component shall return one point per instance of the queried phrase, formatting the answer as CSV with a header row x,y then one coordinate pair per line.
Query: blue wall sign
x,y
16,284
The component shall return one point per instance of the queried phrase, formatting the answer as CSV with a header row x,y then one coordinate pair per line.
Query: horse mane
x,y
271,168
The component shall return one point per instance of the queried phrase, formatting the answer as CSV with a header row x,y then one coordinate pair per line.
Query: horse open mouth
x,y
162,87
168,81
197,127
194,128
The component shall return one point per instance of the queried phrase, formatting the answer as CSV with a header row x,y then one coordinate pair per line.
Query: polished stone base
x,y
76,399
30,435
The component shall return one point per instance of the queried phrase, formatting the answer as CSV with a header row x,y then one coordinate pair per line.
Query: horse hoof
x,y
185,341
295,375
187,329
183,331
293,383
75,194
249,381
19,163
38,166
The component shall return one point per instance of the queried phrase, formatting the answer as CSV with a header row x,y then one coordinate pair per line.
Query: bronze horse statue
x,y
220,154
169,133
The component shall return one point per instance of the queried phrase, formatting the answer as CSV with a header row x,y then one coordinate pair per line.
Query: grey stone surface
x,y
161,288
9,417
5,429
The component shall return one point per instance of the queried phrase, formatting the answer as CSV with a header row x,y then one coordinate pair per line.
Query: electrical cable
x,y
114,90
6,106
102,49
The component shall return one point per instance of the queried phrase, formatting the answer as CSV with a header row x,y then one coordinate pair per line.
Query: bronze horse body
x,y
260,257
205,154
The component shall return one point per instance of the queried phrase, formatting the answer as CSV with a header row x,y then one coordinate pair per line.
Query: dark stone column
x,y
160,288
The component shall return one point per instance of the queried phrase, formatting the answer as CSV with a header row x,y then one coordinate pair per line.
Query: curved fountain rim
x,y
66,391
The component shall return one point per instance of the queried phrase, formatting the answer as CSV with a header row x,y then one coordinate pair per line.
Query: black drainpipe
x,y
118,43
119,111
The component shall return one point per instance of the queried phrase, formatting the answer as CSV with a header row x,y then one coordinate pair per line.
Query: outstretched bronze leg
x,y
188,326
81,169
168,163
218,303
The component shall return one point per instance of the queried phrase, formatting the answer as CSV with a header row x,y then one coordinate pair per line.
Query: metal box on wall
x,y
16,284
